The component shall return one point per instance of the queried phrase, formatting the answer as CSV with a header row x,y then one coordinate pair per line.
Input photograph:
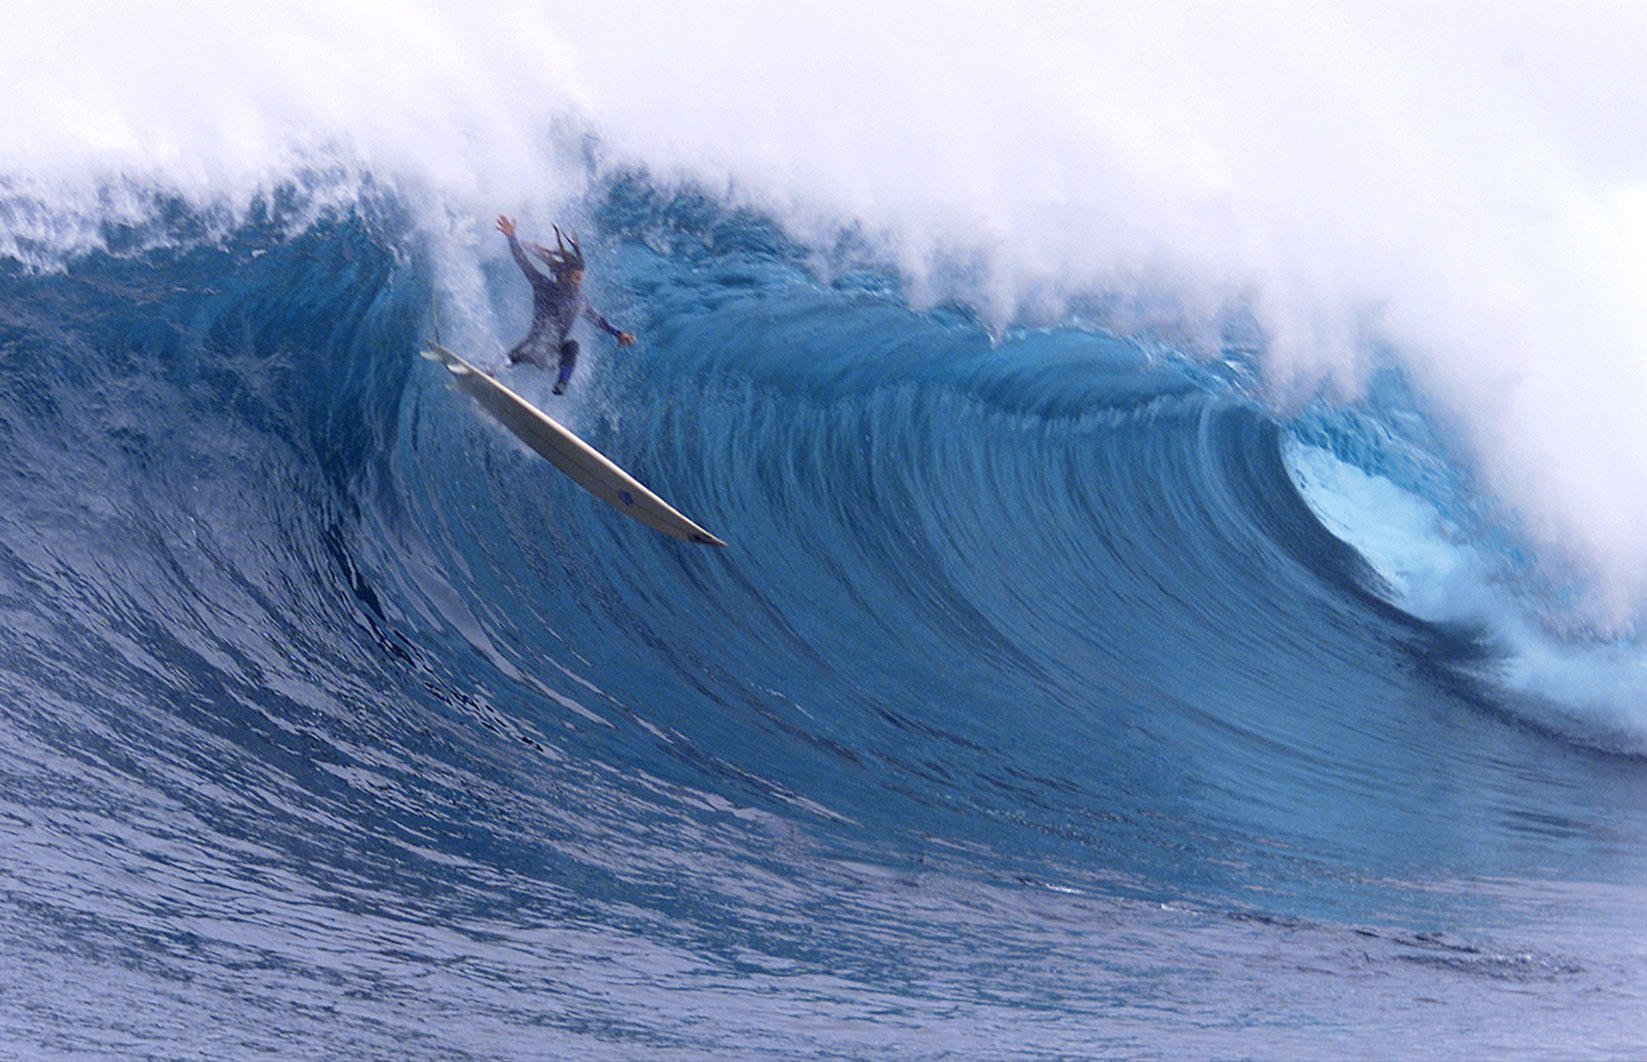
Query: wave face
x,y
1033,709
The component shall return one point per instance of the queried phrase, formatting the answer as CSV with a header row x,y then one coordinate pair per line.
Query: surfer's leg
x,y
529,350
568,362
534,350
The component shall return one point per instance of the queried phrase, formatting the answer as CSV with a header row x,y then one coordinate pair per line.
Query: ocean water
x,y
1183,587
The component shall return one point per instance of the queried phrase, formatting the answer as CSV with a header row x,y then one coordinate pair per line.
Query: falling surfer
x,y
557,302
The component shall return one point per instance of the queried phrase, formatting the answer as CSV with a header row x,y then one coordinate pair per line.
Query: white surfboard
x,y
585,465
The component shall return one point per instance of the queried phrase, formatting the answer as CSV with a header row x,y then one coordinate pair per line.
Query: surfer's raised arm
x,y
506,225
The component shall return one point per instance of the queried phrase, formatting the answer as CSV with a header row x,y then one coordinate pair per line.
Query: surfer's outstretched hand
x,y
506,225
625,339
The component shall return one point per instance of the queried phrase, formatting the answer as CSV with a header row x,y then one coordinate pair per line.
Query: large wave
x,y
1076,655
1456,188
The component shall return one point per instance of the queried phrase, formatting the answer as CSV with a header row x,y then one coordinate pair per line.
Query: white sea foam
x,y
1593,688
1467,185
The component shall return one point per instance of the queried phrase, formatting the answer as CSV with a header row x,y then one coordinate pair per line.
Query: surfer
x,y
557,302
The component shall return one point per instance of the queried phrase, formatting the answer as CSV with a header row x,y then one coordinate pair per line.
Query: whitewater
x,y
1182,472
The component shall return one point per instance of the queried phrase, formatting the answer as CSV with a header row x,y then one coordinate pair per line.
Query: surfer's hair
x,y
564,259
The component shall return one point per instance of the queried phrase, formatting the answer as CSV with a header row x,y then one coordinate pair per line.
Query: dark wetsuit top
x,y
556,306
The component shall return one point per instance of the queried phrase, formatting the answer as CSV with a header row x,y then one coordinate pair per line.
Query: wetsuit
x,y
556,306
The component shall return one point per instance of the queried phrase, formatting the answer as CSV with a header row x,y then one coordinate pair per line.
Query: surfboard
x,y
582,463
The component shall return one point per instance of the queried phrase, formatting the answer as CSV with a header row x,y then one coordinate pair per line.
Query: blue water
x,y
1031,712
